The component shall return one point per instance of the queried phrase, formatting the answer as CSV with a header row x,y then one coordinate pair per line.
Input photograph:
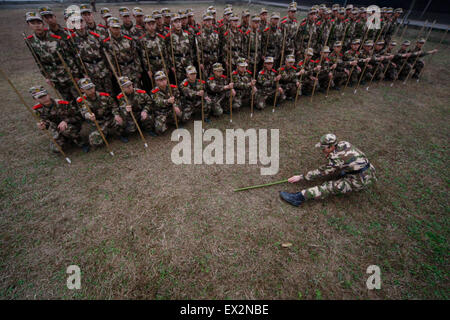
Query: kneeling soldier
x,y
105,111
243,84
267,79
289,78
219,87
352,166
139,103
193,91
57,116
166,100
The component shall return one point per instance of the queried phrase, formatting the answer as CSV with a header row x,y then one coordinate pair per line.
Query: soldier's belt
x,y
343,173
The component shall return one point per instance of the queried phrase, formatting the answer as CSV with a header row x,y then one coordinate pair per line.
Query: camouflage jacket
x,y
133,31
351,55
100,30
234,39
45,48
272,38
288,74
150,46
189,90
309,66
103,106
338,59
252,42
139,100
242,82
159,97
215,85
416,54
209,41
266,80
124,49
182,45
291,27
89,47
59,110
345,158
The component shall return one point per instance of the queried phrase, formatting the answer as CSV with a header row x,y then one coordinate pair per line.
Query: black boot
x,y
294,199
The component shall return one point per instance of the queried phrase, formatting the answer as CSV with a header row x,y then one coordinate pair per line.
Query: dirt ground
x,y
141,227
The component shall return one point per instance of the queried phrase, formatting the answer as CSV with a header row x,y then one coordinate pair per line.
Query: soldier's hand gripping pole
x,y
261,185
303,65
126,99
431,58
149,65
281,62
168,83
319,67
254,72
418,54
84,102
35,116
230,70
38,62
173,59
331,78
201,80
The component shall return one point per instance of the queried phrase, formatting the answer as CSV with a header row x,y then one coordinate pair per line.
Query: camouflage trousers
x,y
391,72
90,133
208,61
163,119
265,97
220,102
290,90
418,68
100,76
348,183
339,79
403,73
71,134
242,100
195,107
181,63
307,86
354,76
129,126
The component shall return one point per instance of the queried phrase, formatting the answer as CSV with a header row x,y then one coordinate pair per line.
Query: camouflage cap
x,y
383,9
356,41
234,18
85,84
43,11
124,81
349,7
263,10
268,60
355,11
217,66
309,52
227,11
138,11
380,43
326,49
389,10
312,11
322,6
326,141
149,18
335,6
292,6
341,10
363,9
190,14
406,43
275,15
246,13
212,9
229,5
74,21
290,58
328,11
191,69
38,92
113,22
175,16
85,8
241,62
183,14
368,43
393,43
160,75
104,10
421,40
156,14
398,10
165,12
337,44
124,11
29,16
208,16
256,18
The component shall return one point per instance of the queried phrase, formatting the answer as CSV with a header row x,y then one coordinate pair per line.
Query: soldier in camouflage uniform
x,y
245,20
159,22
289,78
138,15
243,84
325,74
180,42
351,58
291,25
105,12
354,170
59,117
124,52
45,45
263,16
166,101
194,27
272,39
88,17
105,111
401,59
234,40
267,80
128,28
366,60
309,69
219,88
253,44
389,62
209,42
139,103
50,19
90,49
150,45
416,63
193,90
340,72
167,18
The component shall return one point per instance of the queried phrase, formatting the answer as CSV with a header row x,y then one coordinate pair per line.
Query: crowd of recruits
x,y
158,52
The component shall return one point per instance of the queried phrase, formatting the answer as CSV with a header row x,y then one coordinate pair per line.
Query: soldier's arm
x,y
70,59
82,107
322,171
213,86
72,114
114,106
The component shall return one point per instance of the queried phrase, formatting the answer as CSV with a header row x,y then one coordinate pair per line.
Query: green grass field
x,y
141,227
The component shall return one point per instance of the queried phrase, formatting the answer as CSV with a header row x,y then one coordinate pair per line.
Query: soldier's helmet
x,y
309,52
160,75
241,62
290,58
43,11
38,92
85,8
217,66
124,11
30,16
326,141
138,11
337,44
113,22
191,70
263,10
246,13
124,81
149,18
326,49
268,60
256,18
85,84
275,15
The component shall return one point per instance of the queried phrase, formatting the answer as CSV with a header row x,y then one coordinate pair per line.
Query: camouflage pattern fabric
x,y
139,101
191,102
163,111
243,88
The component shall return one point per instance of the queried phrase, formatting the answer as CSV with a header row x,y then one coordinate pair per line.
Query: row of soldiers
x,y
160,50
